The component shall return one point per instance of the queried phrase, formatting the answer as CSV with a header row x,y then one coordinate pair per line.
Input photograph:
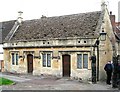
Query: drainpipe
x,y
97,63
95,76
93,66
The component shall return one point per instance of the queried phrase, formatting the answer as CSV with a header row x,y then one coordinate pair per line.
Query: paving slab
x,y
14,78
30,82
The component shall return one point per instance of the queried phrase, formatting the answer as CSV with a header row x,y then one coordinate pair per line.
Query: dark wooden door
x,y
66,65
2,66
30,63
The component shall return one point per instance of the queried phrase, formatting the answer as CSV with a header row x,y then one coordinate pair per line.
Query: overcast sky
x,y
34,9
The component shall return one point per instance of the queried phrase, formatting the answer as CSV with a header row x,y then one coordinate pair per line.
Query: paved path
x,y
30,82
14,78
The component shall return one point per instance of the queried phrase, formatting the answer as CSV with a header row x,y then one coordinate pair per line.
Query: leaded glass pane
x,y
48,60
44,60
17,59
79,61
13,59
85,60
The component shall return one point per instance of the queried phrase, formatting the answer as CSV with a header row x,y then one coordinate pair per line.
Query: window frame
x,y
14,58
82,60
79,67
84,66
46,59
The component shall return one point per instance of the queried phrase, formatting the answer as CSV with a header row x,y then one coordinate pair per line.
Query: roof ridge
x,y
63,15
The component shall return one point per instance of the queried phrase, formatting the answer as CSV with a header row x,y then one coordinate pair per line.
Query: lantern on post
x,y
103,36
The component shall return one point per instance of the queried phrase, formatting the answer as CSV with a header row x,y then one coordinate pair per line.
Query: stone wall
x,y
105,47
56,63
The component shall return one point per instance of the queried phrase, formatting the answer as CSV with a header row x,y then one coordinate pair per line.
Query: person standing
x,y
109,69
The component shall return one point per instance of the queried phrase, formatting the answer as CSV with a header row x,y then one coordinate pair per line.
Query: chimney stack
x,y
43,16
112,18
19,19
110,12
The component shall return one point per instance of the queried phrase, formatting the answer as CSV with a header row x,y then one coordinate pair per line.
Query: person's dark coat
x,y
108,67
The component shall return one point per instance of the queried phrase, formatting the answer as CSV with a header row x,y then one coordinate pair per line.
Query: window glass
x,y
44,60
79,61
13,59
17,59
85,60
48,60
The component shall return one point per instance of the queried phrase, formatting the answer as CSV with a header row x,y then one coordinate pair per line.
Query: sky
x,y
34,9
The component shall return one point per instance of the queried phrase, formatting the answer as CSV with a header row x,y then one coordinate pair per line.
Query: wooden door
x,y
30,63
66,65
2,65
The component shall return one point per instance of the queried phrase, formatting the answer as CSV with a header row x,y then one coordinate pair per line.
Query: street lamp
x,y
103,36
93,58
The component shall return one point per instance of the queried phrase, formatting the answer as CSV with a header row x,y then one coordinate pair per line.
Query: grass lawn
x,y
4,81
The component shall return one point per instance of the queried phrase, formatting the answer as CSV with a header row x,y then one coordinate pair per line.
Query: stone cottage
x,y
116,30
117,35
60,45
5,28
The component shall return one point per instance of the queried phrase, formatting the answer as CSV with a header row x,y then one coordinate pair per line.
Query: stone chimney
x,y
112,18
43,16
20,19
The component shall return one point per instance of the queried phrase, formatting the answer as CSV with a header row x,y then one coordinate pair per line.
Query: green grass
x,y
4,81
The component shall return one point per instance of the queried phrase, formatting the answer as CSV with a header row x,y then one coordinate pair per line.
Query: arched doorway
x,y
66,65
30,63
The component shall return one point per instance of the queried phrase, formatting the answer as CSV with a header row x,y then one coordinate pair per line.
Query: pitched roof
x,y
5,28
76,25
117,32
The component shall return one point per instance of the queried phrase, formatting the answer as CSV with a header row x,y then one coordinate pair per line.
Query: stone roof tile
x,y
5,28
76,25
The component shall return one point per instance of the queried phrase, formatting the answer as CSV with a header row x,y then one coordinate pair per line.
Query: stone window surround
x,y
15,53
82,61
46,59
89,63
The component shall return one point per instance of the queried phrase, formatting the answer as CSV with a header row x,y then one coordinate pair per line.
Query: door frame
x,y
28,64
63,74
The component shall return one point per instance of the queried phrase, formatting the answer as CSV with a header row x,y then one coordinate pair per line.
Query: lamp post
x,y
93,58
